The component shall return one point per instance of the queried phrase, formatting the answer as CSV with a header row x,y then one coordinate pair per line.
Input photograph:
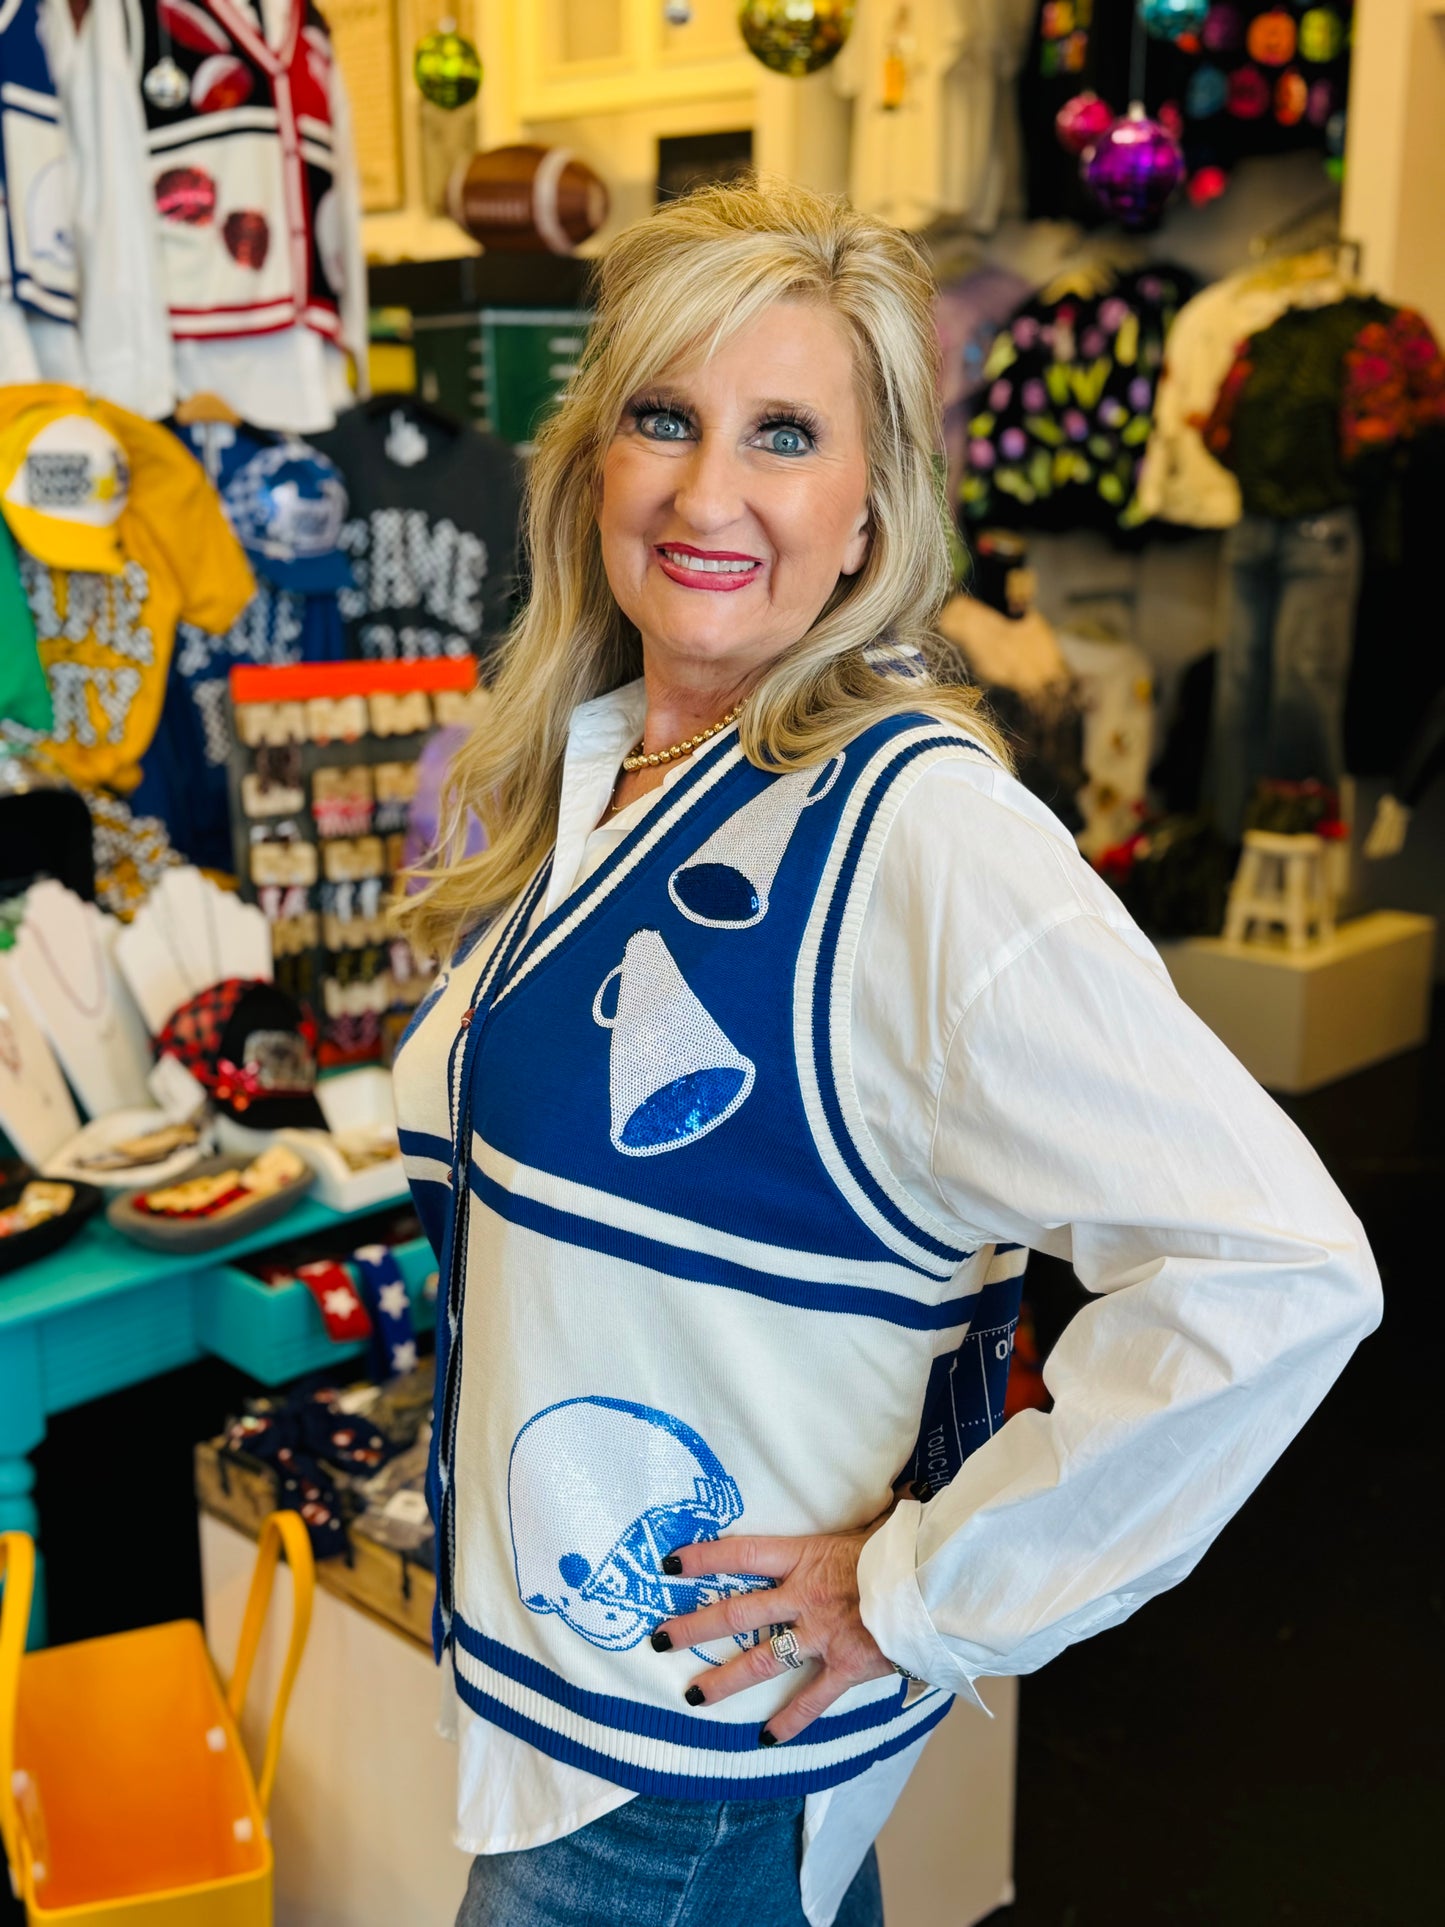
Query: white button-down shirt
x,y
1024,1064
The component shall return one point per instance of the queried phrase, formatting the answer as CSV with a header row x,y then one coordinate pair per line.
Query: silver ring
x,y
786,1649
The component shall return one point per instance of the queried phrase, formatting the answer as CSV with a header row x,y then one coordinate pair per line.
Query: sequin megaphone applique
x,y
725,883
674,1076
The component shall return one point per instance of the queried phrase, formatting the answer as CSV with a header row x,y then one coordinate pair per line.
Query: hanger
x,y
1330,249
1093,269
206,407
390,398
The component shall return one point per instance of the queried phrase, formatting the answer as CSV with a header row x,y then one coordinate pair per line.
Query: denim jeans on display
x,y
664,1863
1290,593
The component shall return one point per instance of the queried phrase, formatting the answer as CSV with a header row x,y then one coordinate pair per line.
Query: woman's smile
x,y
707,569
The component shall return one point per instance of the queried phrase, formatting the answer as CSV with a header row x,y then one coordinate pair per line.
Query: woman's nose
x,y
709,492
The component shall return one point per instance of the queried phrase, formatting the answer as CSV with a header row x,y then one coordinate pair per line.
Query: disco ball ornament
x,y
795,37
1134,169
447,67
1081,121
1168,19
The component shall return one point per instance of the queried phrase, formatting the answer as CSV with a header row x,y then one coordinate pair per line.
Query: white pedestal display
x,y
1302,1018
361,1817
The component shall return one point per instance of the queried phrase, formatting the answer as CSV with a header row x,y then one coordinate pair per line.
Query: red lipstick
x,y
712,569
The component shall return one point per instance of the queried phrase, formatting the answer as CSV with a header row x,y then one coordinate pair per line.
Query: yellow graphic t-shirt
x,y
104,635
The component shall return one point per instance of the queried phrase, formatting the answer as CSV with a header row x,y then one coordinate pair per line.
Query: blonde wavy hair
x,y
669,288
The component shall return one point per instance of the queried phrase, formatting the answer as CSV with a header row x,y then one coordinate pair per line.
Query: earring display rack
x,y
321,772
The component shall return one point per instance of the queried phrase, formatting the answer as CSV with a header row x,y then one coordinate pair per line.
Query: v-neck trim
x,y
275,60
712,764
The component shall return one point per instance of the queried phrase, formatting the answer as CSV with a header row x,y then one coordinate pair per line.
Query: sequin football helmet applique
x,y
599,1491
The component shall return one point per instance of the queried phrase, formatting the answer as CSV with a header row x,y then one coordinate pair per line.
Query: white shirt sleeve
x,y
124,322
355,313
1029,1070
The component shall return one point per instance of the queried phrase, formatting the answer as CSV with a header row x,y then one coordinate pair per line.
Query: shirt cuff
x,y
892,1608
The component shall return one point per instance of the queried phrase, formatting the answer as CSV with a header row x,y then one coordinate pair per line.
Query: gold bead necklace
x,y
637,760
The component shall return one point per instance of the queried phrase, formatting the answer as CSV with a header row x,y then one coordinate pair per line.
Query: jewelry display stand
x,y
64,959
189,936
36,1112
69,1161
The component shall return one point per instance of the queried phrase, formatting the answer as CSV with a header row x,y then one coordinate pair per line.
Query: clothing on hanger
x,y
39,283
1066,404
968,312
286,504
260,282
121,538
1180,480
431,532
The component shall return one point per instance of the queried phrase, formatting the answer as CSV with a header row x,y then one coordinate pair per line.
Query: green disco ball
x,y
448,68
795,37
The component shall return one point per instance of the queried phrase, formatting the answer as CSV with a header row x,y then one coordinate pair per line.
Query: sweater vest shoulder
x,y
682,1295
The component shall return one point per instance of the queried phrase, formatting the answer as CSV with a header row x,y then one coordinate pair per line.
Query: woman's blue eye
x,y
786,439
664,427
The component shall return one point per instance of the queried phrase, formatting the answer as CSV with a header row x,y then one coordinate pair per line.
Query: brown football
x,y
535,200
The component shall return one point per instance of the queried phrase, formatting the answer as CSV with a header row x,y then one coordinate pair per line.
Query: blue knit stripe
x,y
421,1144
823,992
705,1268
658,1722
787,1781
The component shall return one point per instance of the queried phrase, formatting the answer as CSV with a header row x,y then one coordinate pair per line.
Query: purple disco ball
x,y
1134,168
1081,121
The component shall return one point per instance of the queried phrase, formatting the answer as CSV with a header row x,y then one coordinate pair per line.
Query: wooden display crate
x,y
396,1590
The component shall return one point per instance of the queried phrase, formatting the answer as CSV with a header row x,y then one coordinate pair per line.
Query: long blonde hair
x,y
697,272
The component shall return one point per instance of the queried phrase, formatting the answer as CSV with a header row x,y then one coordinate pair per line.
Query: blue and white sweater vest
x,y
682,1295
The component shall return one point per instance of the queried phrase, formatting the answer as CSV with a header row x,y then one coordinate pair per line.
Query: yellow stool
x,y
125,1794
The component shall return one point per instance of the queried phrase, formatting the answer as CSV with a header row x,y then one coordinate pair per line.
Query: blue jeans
x,y
664,1863
1279,691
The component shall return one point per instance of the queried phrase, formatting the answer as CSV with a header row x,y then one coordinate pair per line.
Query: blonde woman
x,y
779,1022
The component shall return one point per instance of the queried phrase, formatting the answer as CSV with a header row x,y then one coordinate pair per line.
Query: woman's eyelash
x,y
650,405
800,419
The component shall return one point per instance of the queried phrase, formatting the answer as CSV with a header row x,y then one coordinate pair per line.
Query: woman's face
x,y
734,495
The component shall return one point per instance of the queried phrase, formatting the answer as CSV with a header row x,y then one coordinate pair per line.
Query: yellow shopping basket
x,y
125,1794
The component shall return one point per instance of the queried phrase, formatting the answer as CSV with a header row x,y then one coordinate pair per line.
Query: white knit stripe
x,y
1007,1264
596,890
840,1010
427,1171
651,1755
563,1194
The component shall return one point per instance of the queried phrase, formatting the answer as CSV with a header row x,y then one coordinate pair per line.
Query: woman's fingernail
x,y
660,1642
766,1738
671,1563
923,1492
694,1696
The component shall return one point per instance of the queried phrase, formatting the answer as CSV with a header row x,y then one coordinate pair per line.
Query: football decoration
x,y
1134,169
527,199
447,67
247,235
1173,19
191,26
1081,121
186,194
795,37
219,83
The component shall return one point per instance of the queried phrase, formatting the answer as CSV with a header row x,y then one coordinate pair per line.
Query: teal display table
x,y
104,1313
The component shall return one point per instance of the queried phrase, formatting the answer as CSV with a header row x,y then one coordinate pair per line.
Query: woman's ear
x,y
859,542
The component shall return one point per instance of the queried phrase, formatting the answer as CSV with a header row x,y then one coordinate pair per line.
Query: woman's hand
x,y
816,1594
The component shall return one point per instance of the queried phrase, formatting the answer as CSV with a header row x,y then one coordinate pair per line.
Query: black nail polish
x,y
923,1492
671,1564
765,1738
661,1643
694,1696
